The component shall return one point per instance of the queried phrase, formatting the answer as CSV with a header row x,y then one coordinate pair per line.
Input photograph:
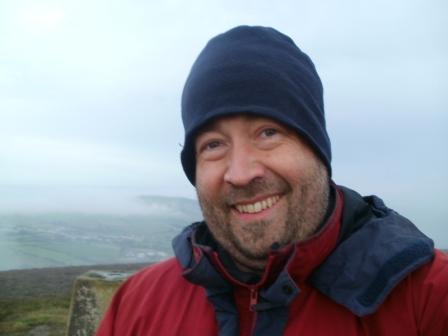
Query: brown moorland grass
x,y
36,301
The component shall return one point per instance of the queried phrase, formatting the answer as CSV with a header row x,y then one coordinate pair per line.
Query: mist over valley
x,y
82,226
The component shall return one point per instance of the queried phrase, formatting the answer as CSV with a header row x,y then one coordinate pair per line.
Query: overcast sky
x,y
90,92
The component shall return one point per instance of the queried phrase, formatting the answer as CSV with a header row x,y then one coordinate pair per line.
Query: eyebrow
x,y
208,127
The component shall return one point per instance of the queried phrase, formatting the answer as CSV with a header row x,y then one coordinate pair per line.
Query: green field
x,y
60,239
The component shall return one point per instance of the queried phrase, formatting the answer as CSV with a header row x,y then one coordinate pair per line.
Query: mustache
x,y
258,186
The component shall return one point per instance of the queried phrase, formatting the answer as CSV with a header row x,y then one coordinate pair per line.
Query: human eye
x,y
269,136
269,132
211,145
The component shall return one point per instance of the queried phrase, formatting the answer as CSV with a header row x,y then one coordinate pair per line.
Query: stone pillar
x,y
91,296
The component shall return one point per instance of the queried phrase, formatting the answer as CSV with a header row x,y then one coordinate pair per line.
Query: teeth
x,y
258,206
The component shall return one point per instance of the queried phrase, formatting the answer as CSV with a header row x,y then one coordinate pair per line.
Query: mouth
x,y
257,207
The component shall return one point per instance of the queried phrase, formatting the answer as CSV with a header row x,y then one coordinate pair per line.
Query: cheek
x,y
291,169
208,179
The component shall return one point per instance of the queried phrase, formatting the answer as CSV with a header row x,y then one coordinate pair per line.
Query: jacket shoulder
x,y
163,273
153,285
388,248
151,301
435,272
430,295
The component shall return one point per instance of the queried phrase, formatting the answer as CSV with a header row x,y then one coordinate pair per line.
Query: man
x,y
282,250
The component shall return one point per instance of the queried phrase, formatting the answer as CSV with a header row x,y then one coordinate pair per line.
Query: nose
x,y
244,165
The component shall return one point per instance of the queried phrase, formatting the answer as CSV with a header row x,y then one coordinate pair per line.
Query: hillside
x,y
51,281
36,302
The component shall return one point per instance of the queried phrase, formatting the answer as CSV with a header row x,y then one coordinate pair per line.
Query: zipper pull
x,y
253,299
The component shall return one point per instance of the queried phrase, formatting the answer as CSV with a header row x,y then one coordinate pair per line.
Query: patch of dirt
x,y
41,330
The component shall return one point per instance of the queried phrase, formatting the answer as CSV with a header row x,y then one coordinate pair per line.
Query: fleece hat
x,y
259,71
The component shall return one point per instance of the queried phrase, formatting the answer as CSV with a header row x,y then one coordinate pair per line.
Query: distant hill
x,y
173,206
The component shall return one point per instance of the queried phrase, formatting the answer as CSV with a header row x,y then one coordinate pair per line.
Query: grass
x,y
39,299
19,316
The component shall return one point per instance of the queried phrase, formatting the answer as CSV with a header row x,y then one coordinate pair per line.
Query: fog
x,y
90,96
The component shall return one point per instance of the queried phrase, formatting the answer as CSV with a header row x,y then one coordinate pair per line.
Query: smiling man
x,y
258,184
282,250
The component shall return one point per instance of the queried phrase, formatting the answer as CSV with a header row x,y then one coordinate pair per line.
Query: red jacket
x,y
162,300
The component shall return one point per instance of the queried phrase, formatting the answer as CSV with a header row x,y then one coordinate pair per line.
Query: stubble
x,y
251,244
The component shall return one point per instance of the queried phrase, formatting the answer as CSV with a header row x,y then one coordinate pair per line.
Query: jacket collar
x,y
377,248
310,253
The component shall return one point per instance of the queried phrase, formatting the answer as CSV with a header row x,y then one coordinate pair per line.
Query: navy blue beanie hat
x,y
254,70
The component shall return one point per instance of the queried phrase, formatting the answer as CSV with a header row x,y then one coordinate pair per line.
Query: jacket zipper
x,y
252,303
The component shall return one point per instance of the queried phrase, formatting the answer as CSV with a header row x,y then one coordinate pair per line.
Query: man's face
x,y
258,184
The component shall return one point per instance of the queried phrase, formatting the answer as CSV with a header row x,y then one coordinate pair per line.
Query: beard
x,y
303,210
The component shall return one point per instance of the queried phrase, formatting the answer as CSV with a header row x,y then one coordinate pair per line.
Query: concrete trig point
x,y
91,296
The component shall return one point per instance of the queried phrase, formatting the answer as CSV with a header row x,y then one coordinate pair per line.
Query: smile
x,y
258,206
